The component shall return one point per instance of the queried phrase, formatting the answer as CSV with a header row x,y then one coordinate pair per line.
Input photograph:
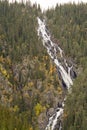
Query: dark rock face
x,y
73,74
59,104
63,84
59,74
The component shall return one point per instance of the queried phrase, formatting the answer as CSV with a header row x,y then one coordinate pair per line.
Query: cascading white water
x,y
66,75
52,51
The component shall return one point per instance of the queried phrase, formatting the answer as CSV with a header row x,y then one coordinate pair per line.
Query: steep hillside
x,y
29,86
75,116
28,79
68,24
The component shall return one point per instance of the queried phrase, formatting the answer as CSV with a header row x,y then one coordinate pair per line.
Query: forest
x,y
29,84
68,25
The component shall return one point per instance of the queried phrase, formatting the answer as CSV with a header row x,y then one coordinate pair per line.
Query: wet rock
x,y
49,42
65,67
59,104
58,125
73,74
63,84
59,74
57,109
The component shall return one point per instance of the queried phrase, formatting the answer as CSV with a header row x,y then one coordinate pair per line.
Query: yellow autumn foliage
x,y
45,57
15,109
31,84
8,61
30,128
59,90
38,109
3,71
1,59
52,69
5,60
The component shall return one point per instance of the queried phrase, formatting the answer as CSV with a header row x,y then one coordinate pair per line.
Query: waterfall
x,y
65,71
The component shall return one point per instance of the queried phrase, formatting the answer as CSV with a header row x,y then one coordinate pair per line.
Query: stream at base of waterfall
x,y
65,71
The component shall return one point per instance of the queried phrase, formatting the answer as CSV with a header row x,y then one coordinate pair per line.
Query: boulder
x,y
50,112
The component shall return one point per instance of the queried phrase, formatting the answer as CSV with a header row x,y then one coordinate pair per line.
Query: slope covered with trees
x,y
28,82
75,116
68,24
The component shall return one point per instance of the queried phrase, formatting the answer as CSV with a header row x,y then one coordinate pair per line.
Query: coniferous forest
x,y
29,84
68,24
